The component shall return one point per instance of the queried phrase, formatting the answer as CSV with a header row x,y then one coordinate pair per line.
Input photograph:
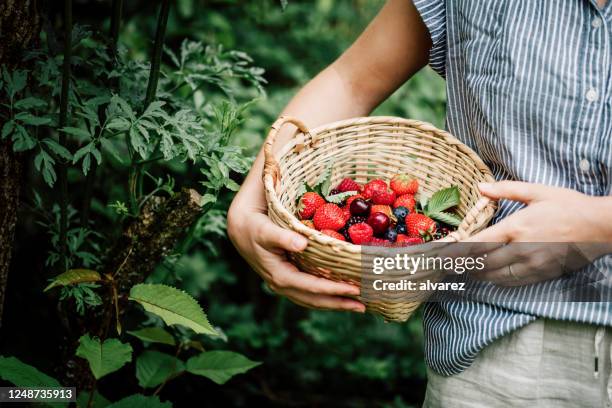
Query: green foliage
x,y
173,306
24,375
141,401
441,201
219,366
153,368
154,335
74,276
104,357
98,400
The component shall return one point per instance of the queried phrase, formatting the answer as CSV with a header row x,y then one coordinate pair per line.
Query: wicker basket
x,y
366,148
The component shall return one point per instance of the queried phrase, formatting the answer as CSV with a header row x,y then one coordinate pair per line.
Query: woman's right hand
x,y
263,244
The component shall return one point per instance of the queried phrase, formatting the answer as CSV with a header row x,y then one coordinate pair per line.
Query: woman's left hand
x,y
564,228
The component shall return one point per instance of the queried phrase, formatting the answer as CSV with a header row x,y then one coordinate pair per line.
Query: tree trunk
x,y
19,28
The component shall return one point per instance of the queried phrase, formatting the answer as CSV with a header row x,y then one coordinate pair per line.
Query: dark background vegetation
x,y
310,358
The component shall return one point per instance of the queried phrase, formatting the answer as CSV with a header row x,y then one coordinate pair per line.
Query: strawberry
x,y
329,216
404,184
360,233
333,234
383,197
372,186
379,242
405,240
308,204
348,184
405,200
385,209
308,223
346,210
420,226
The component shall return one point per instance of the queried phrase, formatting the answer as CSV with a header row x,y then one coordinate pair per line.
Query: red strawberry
x,y
372,186
420,226
383,197
360,233
329,216
308,223
308,204
348,184
405,240
379,242
333,234
404,184
405,200
346,210
385,209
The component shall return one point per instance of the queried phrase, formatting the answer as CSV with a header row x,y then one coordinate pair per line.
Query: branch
x,y
63,122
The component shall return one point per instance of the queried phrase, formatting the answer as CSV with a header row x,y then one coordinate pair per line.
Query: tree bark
x,y
19,28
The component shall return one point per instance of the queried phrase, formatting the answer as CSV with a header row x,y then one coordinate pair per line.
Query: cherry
x,y
379,222
360,206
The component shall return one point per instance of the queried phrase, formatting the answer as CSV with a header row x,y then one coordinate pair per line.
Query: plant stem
x,y
136,174
115,25
63,121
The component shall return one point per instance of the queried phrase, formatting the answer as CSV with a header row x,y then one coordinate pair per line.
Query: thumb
x,y
272,236
513,190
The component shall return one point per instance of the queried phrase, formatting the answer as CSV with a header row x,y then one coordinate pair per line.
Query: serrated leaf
x,y
20,374
28,119
220,366
154,335
324,182
340,197
29,103
207,198
141,401
78,132
173,305
110,147
442,200
448,218
153,367
98,400
7,128
57,148
74,276
103,358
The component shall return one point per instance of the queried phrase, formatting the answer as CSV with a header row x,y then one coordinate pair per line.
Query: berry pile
x,y
379,213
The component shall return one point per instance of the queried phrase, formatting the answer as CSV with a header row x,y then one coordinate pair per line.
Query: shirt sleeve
x,y
433,14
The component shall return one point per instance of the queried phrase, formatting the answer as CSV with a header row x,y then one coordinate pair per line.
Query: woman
x,y
529,90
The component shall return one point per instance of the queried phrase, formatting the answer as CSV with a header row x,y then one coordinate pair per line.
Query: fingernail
x,y
360,309
299,243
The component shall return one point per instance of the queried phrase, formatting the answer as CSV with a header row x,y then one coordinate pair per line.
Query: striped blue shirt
x,y
529,88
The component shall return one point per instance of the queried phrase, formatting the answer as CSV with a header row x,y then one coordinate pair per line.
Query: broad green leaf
x,y
443,199
450,219
23,375
74,276
104,358
220,366
29,103
173,306
57,148
153,367
340,197
141,401
154,335
78,132
7,128
98,400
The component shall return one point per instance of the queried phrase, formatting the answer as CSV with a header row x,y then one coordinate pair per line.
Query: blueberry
x,y
391,234
400,228
400,213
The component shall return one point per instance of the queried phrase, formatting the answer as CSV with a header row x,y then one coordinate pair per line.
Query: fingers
x,y
323,302
270,235
515,191
500,232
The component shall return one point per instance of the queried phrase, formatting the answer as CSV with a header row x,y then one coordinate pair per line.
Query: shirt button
x,y
596,23
584,165
591,95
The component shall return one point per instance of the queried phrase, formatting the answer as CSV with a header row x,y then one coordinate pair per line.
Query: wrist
x,y
600,215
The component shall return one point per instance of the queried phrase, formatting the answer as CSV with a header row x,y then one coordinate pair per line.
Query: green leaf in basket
x,y
442,200
323,184
340,197
446,217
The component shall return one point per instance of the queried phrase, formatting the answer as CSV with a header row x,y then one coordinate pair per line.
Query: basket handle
x,y
270,164
474,213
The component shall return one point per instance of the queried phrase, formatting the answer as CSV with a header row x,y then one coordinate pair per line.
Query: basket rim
x,y
337,245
